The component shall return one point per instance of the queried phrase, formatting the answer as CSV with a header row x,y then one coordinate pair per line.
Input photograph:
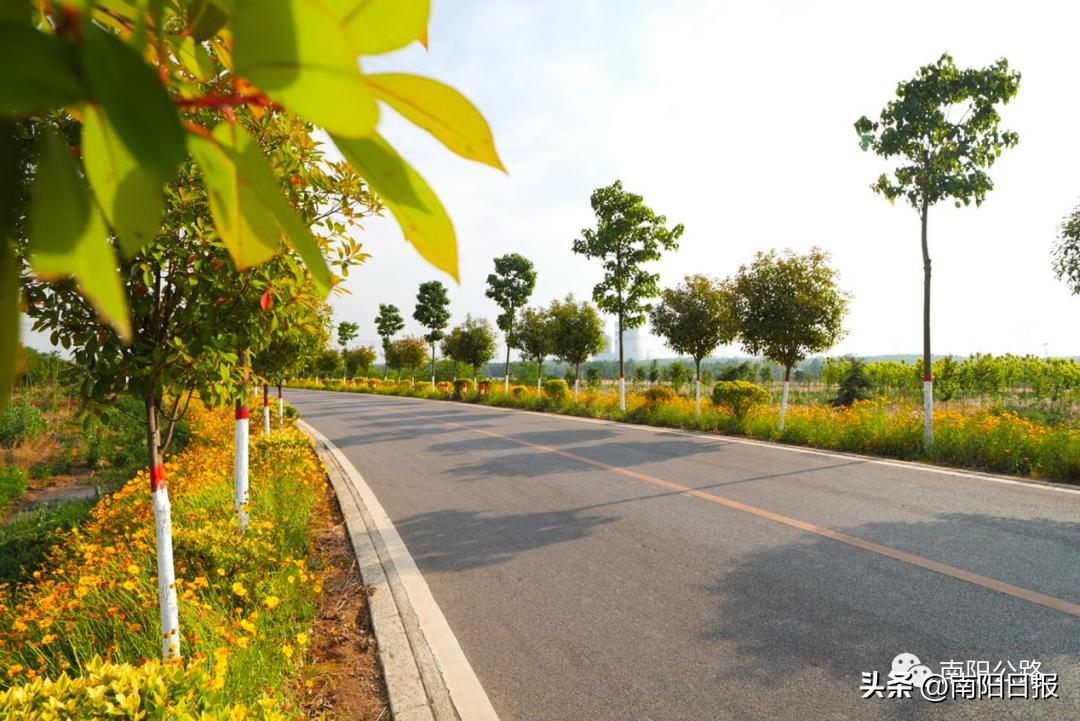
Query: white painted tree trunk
x,y
928,412
622,393
281,407
783,401
240,468
697,398
167,604
576,383
266,415
506,383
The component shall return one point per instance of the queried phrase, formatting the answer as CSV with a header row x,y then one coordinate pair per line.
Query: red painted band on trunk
x,y
157,478
928,378
787,379
241,413
266,402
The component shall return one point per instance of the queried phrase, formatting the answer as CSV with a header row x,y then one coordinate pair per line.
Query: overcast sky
x,y
736,120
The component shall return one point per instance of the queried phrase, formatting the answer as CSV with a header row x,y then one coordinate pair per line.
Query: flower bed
x,y
82,633
981,438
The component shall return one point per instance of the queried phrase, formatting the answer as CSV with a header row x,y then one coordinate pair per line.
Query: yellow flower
x,y
221,572
133,569
239,590
238,713
48,638
129,584
271,602
287,649
301,638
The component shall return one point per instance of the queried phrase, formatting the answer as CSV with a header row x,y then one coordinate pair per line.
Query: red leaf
x,y
265,300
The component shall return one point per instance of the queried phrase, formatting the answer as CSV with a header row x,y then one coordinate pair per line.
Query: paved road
x,y
598,572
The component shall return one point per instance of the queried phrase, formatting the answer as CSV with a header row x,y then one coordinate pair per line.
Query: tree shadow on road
x,y
459,540
816,613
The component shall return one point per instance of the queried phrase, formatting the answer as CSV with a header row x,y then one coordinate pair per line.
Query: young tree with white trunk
x,y
577,334
510,286
788,306
944,128
535,339
627,235
433,312
695,318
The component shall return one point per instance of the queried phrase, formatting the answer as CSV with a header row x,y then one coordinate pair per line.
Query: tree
x,y
409,352
326,363
594,376
471,342
654,372
346,332
388,323
787,307
627,235
941,157
694,319
577,334
1066,253
677,374
361,357
510,286
149,93
535,339
854,385
432,311
640,374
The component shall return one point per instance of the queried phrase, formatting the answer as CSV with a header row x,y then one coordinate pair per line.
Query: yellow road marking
x,y
945,569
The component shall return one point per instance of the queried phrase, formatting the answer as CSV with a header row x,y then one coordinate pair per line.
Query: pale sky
x,y
736,120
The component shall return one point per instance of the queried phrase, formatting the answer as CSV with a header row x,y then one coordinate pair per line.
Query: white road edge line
x,y
1034,484
468,695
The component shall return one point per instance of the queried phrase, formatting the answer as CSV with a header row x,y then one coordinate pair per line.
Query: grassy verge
x,y
77,636
985,439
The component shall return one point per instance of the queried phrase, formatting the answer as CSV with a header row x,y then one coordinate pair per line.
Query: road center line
x,y
1042,599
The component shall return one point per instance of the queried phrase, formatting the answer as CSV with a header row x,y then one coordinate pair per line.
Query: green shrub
x,y
20,422
738,397
519,391
422,386
463,386
12,485
556,389
658,395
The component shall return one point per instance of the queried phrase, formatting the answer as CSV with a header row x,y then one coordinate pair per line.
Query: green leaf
x,y
250,212
134,101
68,236
196,59
300,54
40,71
413,203
380,26
205,18
442,111
129,195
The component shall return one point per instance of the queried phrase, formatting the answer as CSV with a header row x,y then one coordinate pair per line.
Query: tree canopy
x,y
577,332
1067,252
471,342
695,317
789,306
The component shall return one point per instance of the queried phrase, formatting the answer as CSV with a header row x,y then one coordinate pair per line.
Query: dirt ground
x,y
345,680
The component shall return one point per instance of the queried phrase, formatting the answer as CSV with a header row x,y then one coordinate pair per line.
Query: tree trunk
x,y
784,396
506,373
432,365
622,378
240,466
266,409
697,388
280,406
167,604
577,380
928,378
539,374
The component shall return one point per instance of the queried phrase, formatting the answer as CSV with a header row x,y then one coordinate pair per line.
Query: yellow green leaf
x,y
442,111
129,195
412,202
40,72
205,18
300,54
380,26
250,211
68,236
195,58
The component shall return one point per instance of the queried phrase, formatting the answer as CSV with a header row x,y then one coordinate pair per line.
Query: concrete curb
x,y
427,675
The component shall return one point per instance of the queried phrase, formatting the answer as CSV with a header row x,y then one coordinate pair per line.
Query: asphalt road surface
x,y
602,572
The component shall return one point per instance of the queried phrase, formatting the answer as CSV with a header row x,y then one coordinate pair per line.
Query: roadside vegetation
x,y
987,437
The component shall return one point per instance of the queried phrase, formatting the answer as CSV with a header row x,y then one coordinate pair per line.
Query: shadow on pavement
x,y
804,620
457,540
